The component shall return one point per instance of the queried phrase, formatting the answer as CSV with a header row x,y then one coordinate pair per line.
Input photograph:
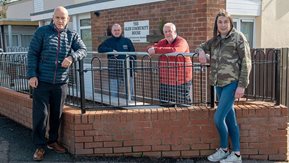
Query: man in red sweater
x,y
175,71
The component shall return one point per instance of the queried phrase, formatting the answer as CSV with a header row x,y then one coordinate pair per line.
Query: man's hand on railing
x,y
33,82
151,51
66,62
115,53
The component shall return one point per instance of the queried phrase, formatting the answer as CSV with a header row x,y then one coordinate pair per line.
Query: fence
x,y
128,82
13,71
17,49
265,75
137,81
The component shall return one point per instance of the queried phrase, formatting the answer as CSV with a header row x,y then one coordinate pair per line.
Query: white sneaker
x,y
232,158
218,155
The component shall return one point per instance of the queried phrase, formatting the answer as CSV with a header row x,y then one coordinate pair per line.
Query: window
x,y
85,33
15,41
86,38
84,22
25,40
246,26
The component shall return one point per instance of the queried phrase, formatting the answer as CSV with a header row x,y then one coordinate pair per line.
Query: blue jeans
x,y
113,87
115,84
225,117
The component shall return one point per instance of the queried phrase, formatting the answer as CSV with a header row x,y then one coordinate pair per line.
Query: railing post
x,y
127,73
82,88
212,96
277,78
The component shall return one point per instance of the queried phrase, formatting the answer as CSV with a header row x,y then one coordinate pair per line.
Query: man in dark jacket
x,y
52,50
117,43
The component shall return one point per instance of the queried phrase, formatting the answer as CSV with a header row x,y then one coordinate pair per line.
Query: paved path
x,y
16,147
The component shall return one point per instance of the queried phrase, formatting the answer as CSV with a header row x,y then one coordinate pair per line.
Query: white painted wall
x,y
38,5
275,23
51,4
244,7
20,9
271,20
88,8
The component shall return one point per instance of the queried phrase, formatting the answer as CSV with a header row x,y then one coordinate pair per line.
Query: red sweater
x,y
174,70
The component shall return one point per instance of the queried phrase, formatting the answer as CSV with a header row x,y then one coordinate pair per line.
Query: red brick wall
x,y
174,132
16,106
193,18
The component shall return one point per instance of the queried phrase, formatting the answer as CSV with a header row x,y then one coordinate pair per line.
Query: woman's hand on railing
x,y
202,57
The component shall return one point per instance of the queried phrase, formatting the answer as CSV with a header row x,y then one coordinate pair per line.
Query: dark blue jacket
x,y
116,63
47,50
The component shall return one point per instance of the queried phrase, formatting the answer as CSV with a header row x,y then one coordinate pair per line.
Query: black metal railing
x,y
90,80
265,76
13,71
143,77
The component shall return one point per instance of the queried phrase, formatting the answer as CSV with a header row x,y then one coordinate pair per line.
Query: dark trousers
x,y
176,94
44,96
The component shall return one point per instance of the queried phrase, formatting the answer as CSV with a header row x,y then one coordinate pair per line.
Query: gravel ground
x,y
16,147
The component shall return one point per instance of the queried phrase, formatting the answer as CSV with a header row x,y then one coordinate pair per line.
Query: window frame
x,y
239,20
79,27
30,35
18,40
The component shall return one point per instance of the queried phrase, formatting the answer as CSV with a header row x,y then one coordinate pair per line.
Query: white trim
x,y
247,20
19,40
254,34
74,22
10,42
84,16
96,7
238,23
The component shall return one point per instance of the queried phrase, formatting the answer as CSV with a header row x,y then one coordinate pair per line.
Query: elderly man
x,y
175,71
117,43
52,50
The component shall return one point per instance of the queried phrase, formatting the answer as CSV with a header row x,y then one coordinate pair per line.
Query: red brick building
x,y
193,18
